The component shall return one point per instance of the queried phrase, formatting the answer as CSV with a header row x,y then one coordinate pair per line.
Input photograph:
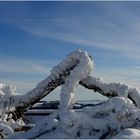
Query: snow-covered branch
x,y
82,70
66,117
13,106
56,78
101,121
20,103
112,89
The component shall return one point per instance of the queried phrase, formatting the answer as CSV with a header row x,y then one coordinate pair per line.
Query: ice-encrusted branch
x,y
112,89
82,70
13,106
56,78
67,96
100,121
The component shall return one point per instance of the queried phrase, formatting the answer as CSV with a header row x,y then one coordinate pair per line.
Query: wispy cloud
x,y
117,29
114,26
23,73
129,75
21,86
29,66
105,26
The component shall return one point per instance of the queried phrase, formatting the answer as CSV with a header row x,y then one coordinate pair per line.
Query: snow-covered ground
x,y
117,117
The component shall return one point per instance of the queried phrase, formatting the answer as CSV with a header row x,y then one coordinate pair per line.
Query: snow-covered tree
x,y
104,120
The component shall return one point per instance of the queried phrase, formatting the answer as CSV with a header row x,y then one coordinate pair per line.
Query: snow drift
x,y
110,119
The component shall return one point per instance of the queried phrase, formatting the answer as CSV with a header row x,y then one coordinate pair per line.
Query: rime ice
x,y
118,117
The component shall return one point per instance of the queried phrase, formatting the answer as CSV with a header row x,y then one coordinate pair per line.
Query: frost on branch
x,y
101,121
20,104
82,70
112,89
43,88
7,125
66,117
104,120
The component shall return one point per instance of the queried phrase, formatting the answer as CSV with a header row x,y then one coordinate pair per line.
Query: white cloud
x,y
18,65
24,67
130,75
104,33
116,29
22,87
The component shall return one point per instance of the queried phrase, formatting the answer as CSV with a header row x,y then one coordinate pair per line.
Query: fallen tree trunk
x,y
96,84
111,89
57,78
76,67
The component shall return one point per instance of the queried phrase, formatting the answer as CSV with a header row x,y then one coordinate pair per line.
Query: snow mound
x,y
101,121
129,133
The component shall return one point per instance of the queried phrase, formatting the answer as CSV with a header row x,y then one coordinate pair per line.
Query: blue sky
x,y
35,36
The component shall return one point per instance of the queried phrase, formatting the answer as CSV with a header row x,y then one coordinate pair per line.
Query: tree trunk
x,y
40,91
57,78
112,89
92,83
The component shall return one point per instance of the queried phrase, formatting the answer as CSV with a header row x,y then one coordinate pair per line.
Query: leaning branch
x,y
112,89
56,78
